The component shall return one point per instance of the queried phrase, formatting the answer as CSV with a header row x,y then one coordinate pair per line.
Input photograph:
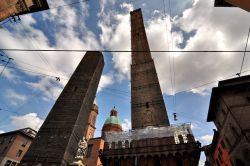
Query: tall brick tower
x,y
148,108
57,140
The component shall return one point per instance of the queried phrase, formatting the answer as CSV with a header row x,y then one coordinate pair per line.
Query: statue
x,y
81,152
82,149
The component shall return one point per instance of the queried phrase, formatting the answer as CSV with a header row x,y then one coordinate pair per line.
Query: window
x,y
234,131
12,138
248,98
223,111
5,148
8,162
228,142
75,89
25,142
2,140
219,125
220,151
90,146
19,153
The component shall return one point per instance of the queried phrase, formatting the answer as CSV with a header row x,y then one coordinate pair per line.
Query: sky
x,y
28,86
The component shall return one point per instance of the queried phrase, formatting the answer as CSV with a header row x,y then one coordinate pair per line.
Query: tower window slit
x,y
75,89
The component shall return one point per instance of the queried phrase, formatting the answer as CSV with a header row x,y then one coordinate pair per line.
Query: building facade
x,y
9,8
229,109
95,145
14,144
57,140
152,140
217,153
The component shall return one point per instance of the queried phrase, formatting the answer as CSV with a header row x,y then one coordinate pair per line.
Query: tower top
x,y
112,123
139,40
113,112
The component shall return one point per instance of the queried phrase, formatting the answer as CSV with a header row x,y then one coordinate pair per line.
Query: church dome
x,y
113,120
112,123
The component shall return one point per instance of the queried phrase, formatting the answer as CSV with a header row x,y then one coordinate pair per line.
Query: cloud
x,y
32,33
49,88
115,35
207,139
28,120
194,29
126,125
10,75
214,30
1,131
106,80
15,98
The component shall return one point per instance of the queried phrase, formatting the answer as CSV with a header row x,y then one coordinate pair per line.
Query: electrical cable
x,y
129,51
6,63
14,112
181,91
5,22
173,57
244,53
169,57
69,4
31,39
35,72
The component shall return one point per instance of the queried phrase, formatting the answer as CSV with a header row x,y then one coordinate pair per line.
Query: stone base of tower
x,y
169,146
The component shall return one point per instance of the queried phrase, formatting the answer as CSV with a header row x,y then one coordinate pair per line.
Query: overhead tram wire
x,y
35,72
18,66
173,57
53,76
125,93
13,112
5,65
244,53
129,51
9,19
69,4
169,55
40,54
169,59
111,89
187,89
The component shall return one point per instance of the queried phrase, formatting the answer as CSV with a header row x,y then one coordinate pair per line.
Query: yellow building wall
x,y
7,8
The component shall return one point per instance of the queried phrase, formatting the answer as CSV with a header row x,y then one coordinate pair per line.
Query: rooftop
x,y
229,84
25,131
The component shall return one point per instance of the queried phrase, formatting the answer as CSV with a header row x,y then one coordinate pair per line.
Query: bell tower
x,y
90,128
148,108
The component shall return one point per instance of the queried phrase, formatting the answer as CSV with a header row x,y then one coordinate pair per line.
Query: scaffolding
x,y
151,132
